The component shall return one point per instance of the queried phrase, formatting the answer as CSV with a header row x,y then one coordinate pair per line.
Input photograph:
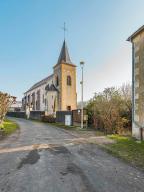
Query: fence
x,y
75,116
60,116
17,114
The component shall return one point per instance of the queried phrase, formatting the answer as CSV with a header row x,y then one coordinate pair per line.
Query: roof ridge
x,y
52,87
135,33
43,81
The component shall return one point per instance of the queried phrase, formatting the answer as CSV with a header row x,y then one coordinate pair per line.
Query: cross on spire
x,y
64,29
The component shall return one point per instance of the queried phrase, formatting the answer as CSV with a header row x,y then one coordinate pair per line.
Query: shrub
x,y
49,119
110,110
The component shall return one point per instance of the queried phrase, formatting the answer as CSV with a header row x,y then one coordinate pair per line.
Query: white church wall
x,y
51,96
42,95
62,94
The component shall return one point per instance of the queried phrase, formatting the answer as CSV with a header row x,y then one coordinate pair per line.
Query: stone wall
x,y
37,115
75,116
17,114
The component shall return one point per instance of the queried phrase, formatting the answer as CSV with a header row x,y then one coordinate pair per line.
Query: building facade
x,y
16,106
56,92
137,40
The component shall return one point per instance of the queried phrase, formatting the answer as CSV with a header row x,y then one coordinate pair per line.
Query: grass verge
x,y
127,149
9,127
77,129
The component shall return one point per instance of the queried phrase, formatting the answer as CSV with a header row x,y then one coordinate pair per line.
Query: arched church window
x,y
68,108
57,81
45,102
68,80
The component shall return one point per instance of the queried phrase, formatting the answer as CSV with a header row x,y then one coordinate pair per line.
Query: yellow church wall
x,y
68,93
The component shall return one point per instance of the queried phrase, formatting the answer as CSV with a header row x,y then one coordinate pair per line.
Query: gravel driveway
x,y
42,158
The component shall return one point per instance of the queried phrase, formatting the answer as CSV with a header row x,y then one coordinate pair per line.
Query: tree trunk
x,y
1,122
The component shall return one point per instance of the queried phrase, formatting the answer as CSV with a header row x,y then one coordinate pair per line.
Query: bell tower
x,y
65,81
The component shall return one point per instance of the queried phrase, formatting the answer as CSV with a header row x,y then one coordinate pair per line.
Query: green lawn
x,y
9,126
128,149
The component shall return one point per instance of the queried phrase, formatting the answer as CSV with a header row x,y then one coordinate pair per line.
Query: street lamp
x,y
82,66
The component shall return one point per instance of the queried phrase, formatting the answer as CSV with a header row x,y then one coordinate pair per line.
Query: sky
x,y
31,37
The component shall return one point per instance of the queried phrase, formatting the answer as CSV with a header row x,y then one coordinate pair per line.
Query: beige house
x,y
137,40
56,92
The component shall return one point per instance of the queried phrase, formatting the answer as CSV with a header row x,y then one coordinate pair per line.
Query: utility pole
x,y
94,110
82,65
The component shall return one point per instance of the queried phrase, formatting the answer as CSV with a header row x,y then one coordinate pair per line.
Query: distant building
x,y
137,40
16,106
56,92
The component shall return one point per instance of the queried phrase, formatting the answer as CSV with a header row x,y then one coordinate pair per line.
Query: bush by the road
x,y
110,110
7,127
49,119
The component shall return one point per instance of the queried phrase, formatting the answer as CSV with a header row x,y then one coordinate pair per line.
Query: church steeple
x,y
64,55
65,81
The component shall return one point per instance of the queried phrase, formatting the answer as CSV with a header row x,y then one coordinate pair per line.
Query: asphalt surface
x,y
41,158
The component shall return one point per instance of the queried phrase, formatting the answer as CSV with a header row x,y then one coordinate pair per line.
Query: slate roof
x,y
64,55
63,58
51,88
38,84
136,33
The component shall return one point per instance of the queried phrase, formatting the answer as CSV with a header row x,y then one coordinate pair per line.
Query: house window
x,y
43,98
29,99
38,100
36,105
45,102
68,108
33,100
68,80
57,81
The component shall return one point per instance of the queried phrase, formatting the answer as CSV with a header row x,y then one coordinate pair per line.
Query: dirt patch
x,y
59,150
75,170
31,158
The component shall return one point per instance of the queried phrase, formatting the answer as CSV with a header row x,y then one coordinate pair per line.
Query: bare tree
x,y
126,92
112,109
5,102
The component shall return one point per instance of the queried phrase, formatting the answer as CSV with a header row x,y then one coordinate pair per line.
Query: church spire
x,y
64,55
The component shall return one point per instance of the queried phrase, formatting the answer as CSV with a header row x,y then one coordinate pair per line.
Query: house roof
x,y
51,88
135,33
42,82
64,55
63,58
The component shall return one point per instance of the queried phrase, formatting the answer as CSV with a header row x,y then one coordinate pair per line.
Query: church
x,y
57,92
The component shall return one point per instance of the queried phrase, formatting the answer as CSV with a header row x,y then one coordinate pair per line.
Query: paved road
x,y
41,158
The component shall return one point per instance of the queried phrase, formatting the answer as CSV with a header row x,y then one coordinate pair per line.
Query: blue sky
x,y
31,39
